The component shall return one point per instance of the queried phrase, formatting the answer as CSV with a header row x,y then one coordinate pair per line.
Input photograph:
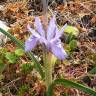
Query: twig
x,y
12,82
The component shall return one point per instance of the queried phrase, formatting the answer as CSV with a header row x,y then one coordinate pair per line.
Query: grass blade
x,y
93,71
68,83
30,54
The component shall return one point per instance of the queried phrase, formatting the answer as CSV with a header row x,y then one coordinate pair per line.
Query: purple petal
x,y
42,40
58,50
30,43
51,29
39,26
34,33
62,29
57,35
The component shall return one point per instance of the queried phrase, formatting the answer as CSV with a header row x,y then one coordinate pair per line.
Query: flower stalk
x,y
48,66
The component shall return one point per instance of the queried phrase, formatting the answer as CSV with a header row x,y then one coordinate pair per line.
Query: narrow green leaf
x,y
30,54
93,71
36,64
68,83
26,68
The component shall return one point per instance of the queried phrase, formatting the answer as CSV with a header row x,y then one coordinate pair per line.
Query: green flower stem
x,y
48,69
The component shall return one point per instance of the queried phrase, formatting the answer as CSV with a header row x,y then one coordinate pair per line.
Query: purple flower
x,y
51,41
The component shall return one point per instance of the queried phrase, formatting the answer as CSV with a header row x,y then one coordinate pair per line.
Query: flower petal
x,y
34,33
58,50
40,38
62,29
39,26
51,29
59,33
30,43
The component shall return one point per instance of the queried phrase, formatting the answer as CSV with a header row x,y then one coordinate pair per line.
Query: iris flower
x,y
50,38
